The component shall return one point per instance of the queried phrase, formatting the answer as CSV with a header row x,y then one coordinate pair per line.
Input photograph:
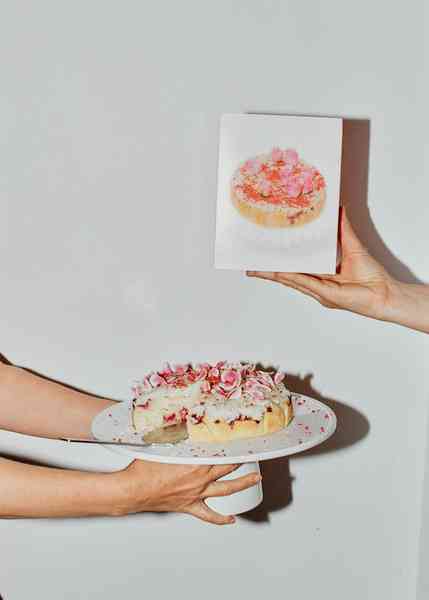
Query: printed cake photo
x,y
218,402
278,189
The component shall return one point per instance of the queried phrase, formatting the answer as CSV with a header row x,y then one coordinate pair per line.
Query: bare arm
x,y
35,406
409,306
34,491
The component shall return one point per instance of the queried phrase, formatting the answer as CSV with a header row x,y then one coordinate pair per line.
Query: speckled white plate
x,y
313,423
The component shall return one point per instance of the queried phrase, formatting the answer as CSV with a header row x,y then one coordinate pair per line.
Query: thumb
x,y
205,513
350,243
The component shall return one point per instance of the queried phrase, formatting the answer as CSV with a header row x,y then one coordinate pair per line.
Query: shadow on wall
x,y
352,427
354,195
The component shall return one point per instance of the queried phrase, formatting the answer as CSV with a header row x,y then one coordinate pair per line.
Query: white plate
x,y
313,423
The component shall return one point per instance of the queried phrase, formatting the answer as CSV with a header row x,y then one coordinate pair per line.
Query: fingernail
x,y
231,521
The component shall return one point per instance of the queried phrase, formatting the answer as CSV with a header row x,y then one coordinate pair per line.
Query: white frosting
x,y
163,393
253,411
198,410
164,402
225,411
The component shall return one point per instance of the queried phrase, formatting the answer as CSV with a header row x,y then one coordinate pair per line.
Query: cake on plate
x,y
278,189
218,402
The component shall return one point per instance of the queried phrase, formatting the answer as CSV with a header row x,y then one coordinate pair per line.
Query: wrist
x,y
95,494
408,305
115,495
122,498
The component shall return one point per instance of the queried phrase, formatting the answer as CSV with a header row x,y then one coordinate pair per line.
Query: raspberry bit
x,y
169,418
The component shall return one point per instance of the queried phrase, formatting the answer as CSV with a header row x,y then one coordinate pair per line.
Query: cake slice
x,y
218,402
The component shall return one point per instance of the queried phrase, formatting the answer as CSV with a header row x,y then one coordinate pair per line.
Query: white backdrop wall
x,y
109,116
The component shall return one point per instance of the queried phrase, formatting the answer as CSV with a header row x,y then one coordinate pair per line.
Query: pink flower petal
x,y
252,166
251,381
265,378
290,157
293,188
136,390
307,185
220,391
201,373
230,379
205,387
285,173
155,380
278,377
213,376
265,187
190,377
236,394
276,154
166,370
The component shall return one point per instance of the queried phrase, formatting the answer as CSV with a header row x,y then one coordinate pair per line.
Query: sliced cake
x,y
218,402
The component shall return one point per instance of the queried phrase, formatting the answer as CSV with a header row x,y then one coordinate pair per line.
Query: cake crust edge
x,y
276,218
208,431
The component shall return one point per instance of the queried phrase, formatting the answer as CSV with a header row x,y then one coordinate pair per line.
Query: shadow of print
x,y
354,195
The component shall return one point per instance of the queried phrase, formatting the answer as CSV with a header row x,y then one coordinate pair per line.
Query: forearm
x,y
409,306
33,491
35,406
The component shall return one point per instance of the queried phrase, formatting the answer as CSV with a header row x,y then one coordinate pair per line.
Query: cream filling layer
x,y
164,406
